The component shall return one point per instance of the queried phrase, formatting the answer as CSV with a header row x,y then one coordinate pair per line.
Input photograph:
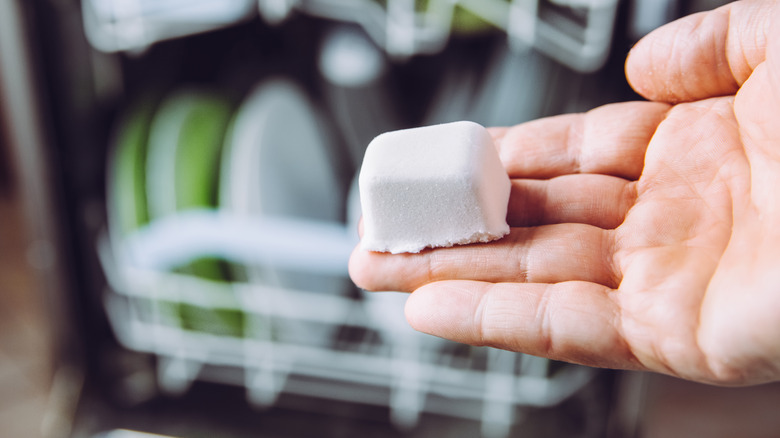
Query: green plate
x,y
126,168
126,183
185,145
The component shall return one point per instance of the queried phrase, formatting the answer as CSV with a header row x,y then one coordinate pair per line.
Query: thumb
x,y
703,55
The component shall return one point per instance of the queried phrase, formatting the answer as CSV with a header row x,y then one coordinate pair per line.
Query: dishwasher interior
x,y
203,162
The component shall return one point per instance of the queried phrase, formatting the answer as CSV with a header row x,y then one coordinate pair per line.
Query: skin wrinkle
x,y
713,367
720,46
630,197
730,183
704,366
607,250
577,247
693,187
544,326
609,243
618,322
662,358
575,131
730,42
480,317
677,59
429,267
620,252
497,337
704,362
525,269
719,180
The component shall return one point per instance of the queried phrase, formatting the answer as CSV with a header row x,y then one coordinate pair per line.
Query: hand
x,y
645,236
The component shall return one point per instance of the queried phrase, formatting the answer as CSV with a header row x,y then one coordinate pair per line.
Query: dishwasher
x,y
189,169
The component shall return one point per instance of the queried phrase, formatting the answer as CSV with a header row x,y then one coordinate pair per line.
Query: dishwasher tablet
x,y
434,186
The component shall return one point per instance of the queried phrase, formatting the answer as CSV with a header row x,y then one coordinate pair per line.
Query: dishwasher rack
x,y
252,324
577,33
364,360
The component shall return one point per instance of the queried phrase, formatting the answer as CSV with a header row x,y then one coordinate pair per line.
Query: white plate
x,y
185,143
278,163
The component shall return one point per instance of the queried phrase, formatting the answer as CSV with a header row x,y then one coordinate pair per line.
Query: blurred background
x,y
177,207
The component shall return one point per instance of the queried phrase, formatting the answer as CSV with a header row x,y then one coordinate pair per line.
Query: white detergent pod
x,y
434,186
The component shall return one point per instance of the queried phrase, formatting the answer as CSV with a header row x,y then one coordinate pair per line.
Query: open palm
x,y
645,235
